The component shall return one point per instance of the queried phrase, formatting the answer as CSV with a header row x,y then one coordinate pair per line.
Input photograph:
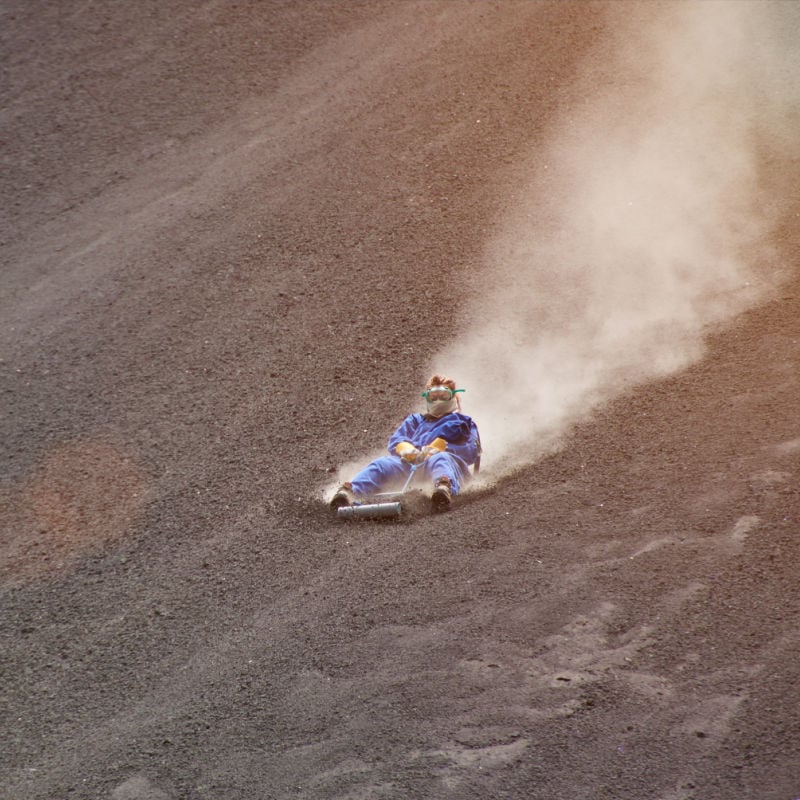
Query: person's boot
x,y
344,496
442,495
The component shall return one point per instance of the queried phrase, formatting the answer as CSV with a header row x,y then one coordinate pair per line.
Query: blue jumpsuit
x,y
458,430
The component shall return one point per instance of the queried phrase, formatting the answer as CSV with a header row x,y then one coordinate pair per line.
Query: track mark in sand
x,y
487,737
359,779
138,788
710,719
743,527
528,689
651,686
677,598
466,757
685,791
655,544
730,542
768,478
788,448
584,651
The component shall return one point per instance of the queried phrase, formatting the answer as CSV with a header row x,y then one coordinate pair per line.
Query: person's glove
x,y
438,445
414,455
408,452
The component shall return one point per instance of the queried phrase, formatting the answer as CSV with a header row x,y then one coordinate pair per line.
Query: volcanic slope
x,y
233,238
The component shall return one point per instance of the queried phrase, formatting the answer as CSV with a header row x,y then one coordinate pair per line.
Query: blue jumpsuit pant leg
x,y
390,472
381,475
444,465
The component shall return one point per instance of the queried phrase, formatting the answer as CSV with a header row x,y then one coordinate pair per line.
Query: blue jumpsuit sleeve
x,y
404,433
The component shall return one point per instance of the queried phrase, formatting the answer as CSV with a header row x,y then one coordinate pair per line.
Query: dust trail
x,y
646,221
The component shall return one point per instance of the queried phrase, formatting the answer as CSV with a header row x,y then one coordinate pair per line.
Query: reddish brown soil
x,y
208,247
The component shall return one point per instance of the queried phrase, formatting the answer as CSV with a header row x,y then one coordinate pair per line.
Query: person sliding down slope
x,y
444,440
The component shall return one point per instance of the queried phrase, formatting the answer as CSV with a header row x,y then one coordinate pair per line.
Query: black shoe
x,y
344,497
440,499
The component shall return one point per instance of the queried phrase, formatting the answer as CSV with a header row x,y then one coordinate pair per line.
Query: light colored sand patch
x,y
788,448
550,685
640,511
743,527
570,678
478,736
710,720
138,788
489,756
681,792
372,792
463,761
655,544
770,477
716,498
608,549
649,685
677,598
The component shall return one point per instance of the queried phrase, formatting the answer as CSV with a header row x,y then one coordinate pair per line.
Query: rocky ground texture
x,y
230,234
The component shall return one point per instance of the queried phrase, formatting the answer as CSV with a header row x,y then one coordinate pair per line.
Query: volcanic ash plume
x,y
646,221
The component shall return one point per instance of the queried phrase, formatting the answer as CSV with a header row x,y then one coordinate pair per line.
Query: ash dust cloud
x,y
643,222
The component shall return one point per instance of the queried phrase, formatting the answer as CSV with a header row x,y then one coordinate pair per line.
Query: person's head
x,y
441,396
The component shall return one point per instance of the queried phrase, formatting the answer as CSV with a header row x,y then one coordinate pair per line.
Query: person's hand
x,y
413,456
438,445
423,454
408,452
